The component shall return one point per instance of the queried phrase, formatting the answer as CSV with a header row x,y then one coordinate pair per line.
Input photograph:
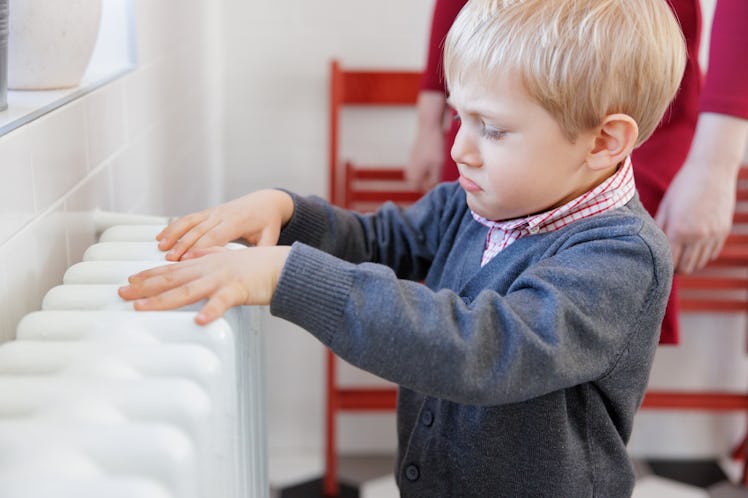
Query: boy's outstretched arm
x,y
257,218
226,278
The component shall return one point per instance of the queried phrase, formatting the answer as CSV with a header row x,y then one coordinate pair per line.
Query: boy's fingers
x,y
202,251
269,235
174,230
151,272
182,295
189,239
223,299
158,280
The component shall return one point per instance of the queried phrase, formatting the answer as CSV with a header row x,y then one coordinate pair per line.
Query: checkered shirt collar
x,y
613,193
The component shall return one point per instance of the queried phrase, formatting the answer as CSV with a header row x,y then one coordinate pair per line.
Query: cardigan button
x,y
427,418
412,473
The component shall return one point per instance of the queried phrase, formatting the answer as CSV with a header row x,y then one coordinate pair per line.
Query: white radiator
x,y
97,400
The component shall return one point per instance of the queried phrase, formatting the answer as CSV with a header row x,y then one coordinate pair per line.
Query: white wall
x,y
116,148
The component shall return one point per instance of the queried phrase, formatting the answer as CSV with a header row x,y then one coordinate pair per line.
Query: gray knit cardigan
x,y
520,378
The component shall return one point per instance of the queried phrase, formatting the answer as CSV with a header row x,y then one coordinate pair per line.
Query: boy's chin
x,y
479,208
491,214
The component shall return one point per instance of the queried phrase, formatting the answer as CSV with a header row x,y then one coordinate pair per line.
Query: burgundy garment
x,y
659,158
726,87
445,12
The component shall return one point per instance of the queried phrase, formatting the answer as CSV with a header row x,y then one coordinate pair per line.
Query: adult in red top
x,y
686,173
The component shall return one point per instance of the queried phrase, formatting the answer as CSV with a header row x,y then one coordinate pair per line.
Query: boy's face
x,y
512,156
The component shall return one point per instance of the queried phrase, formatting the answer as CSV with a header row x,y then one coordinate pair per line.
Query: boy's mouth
x,y
468,185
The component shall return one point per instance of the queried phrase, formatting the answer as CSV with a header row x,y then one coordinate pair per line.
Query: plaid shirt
x,y
611,194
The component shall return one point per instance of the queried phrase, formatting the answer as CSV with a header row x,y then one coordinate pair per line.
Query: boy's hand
x,y
225,278
257,218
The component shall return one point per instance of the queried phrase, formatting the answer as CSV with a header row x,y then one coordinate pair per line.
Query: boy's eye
x,y
491,133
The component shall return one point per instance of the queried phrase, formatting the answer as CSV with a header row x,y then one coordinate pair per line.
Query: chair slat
x,y
381,87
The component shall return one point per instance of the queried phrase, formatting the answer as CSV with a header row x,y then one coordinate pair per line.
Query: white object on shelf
x,y
51,42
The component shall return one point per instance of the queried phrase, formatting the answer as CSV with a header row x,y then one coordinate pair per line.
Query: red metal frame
x,y
361,188
357,187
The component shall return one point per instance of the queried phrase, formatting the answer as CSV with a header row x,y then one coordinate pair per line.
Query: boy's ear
x,y
613,142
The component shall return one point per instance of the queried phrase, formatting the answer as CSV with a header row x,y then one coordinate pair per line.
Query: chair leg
x,y
330,487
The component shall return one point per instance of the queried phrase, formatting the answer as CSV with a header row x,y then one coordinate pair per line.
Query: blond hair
x,y
581,60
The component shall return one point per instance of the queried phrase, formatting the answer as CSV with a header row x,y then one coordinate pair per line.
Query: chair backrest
x,y
363,88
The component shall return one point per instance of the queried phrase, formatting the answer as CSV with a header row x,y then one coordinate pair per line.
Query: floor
x,y
371,477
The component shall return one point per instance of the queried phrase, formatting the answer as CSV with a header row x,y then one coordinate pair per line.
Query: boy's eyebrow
x,y
479,111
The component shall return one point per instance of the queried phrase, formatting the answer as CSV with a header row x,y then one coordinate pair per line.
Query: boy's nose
x,y
464,150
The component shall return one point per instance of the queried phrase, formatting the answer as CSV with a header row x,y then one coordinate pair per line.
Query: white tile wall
x,y
16,190
59,151
21,268
97,191
6,332
105,121
114,148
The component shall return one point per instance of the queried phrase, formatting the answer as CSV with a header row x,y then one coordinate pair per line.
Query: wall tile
x,y
94,193
17,187
50,239
134,171
105,118
145,97
22,277
60,152
7,333
188,193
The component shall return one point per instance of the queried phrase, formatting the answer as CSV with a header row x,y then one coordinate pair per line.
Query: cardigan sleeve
x,y
445,12
559,324
402,239
726,84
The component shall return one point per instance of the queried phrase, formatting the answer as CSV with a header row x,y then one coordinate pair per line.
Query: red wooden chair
x,y
721,287
361,188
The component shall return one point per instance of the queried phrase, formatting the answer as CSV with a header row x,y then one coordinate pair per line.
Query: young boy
x,y
523,358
